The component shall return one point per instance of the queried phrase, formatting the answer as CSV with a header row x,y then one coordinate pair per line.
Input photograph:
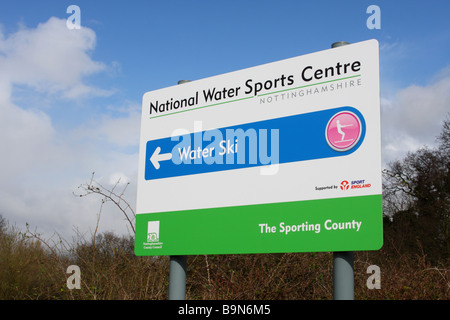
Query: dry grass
x,y
32,268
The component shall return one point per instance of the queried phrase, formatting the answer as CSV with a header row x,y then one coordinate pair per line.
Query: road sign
x,y
282,157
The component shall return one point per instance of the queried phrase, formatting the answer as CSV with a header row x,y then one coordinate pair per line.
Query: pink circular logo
x,y
343,131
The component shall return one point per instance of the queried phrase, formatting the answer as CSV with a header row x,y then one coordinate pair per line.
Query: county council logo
x,y
153,231
344,185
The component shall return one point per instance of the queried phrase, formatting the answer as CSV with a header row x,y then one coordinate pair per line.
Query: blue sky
x,y
70,99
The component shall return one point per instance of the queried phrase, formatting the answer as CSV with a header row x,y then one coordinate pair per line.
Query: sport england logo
x,y
354,184
153,231
344,185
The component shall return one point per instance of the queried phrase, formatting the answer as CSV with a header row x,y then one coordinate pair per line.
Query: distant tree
x,y
444,137
417,197
2,224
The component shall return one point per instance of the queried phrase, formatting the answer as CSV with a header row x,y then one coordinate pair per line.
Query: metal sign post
x,y
177,277
343,277
177,269
343,273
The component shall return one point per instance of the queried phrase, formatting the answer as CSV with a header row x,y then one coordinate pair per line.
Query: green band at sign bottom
x,y
340,224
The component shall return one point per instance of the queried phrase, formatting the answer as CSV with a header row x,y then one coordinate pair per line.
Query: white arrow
x,y
156,157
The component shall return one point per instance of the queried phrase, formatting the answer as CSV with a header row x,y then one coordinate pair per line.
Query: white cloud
x,y
25,137
121,131
51,58
413,117
41,166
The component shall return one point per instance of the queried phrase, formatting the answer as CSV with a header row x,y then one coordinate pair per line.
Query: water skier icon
x,y
339,128
343,131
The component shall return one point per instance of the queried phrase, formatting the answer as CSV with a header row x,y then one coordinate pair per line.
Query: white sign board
x,y
235,163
